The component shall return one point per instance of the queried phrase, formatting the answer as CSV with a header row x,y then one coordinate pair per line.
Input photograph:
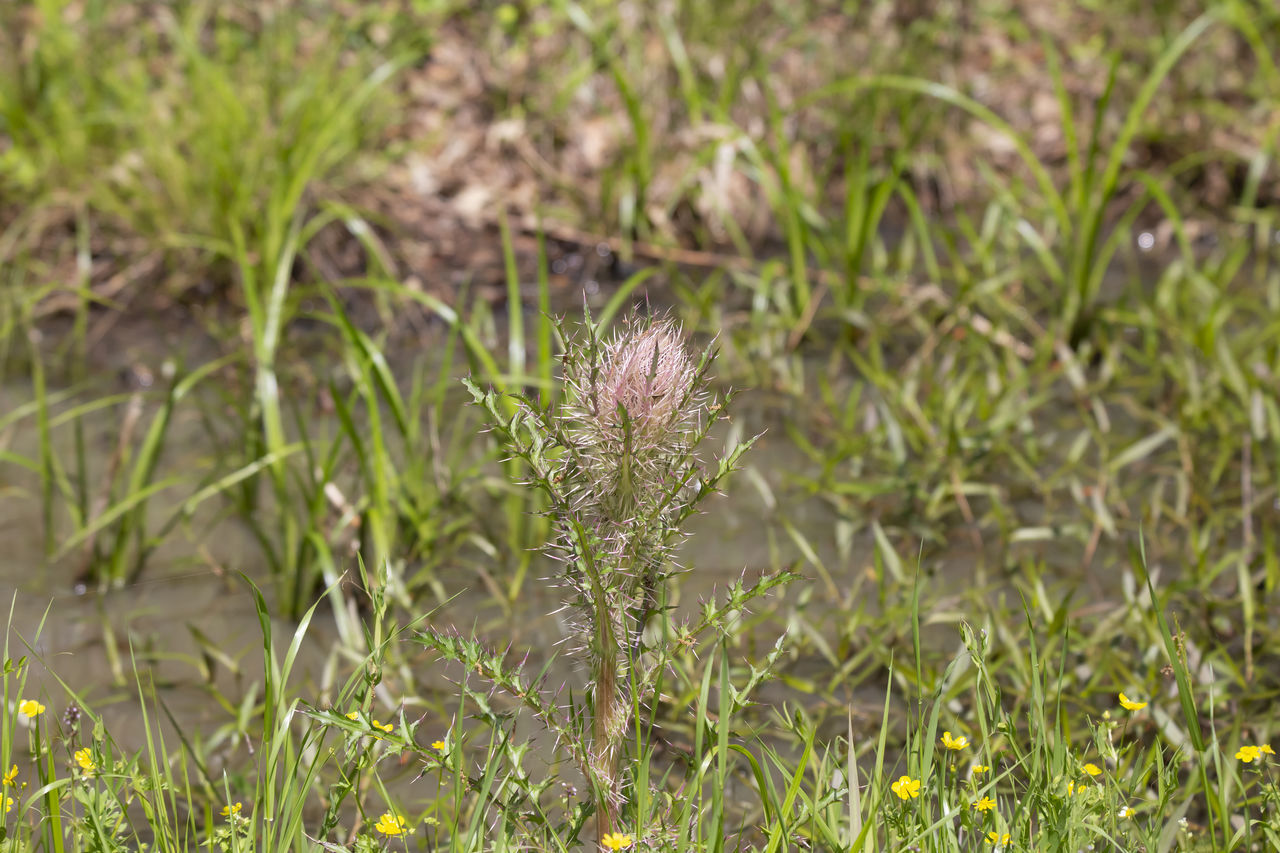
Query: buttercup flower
x,y
30,708
954,742
439,745
391,825
906,788
997,838
354,715
1071,788
1124,811
233,809
8,804
1092,769
616,841
985,804
11,776
84,757
1249,754
979,768
1130,705
386,727
1265,749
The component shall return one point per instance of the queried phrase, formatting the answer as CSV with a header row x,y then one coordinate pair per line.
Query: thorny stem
x,y
606,729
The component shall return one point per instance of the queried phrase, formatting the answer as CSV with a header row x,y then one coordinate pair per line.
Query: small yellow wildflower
x,y
354,715
233,809
386,727
906,788
616,841
30,708
439,745
1131,705
8,804
1124,812
11,776
1264,748
391,825
84,757
1249,754
1071,788
997,838
985,804
1092,769
954,742
979,768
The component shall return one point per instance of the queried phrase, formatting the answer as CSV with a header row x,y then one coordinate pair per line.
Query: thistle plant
x,y
634,412
617,457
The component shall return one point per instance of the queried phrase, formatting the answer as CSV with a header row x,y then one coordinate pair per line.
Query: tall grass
x,y
994,744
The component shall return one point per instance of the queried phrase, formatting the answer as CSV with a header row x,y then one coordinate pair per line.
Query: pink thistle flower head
x,y
634,404
645,377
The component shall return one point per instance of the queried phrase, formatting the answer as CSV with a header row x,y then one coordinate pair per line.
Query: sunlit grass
x,y
1023,372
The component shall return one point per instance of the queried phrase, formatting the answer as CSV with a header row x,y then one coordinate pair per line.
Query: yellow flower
x,y
1264,748
906,788
30,708
1124,811
11,775
979,768
84,757
354,715
954,742
1249,754
616,841
233,809
1071,788
439,745
386,727
997,838
391,825
1092,769
985,804
1130,705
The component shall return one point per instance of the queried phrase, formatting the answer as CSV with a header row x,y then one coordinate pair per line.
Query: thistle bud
x,y
646,380
635,400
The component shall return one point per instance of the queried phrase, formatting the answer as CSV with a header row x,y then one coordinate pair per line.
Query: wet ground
x,y
187,623
187,620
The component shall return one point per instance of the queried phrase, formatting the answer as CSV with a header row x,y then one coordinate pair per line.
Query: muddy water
x,y
190,595
190,605
91,640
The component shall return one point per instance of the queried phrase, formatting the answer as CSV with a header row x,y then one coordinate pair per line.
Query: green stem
x,y
606,727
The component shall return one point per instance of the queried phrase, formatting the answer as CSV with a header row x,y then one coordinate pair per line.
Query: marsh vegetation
x,y
353,420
